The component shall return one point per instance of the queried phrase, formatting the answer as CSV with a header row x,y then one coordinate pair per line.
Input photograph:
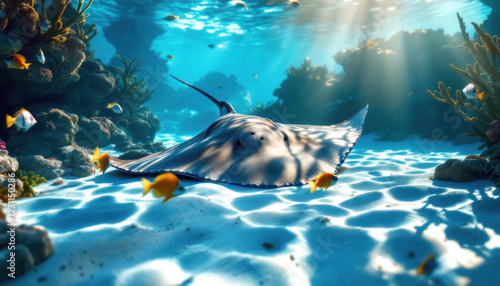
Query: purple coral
x,y
494,133
3,145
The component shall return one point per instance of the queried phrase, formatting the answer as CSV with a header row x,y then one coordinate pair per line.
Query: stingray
x,y
253,151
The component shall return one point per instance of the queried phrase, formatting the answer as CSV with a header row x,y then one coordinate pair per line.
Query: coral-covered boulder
x,y
95,84
47,168
7,163
472,168
98,132
55,128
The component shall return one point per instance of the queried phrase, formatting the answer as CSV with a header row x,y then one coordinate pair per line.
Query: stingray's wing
x,y
336,140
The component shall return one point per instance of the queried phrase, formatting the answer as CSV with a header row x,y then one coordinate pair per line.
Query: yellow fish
x,y
17,61
241,4
171,18
102,159
324,180
115,107
255,75
170,57
165,185
427,266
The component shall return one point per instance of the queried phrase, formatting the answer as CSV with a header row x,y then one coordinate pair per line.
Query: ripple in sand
x,y
449,199
379,218
363,201
254,202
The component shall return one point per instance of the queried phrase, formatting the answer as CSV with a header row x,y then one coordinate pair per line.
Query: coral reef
x,y
71,87
394,91
482,113
58,30
486,77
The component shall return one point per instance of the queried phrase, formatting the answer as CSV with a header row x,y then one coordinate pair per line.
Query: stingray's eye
x,y
261,138
285,137
239,142
252,133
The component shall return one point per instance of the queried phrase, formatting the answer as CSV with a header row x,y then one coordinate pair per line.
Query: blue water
x,y
266,39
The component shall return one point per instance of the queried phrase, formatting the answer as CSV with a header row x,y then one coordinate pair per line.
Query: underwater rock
x,y
472,168
143,125
55,129
98,132
33,246
9,46
83,171
134,154
151,147
47,168
79,162
4,182
7,163
96,83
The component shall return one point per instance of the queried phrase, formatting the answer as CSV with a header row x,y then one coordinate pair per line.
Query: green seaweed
x,y
29,180
485,75
58,31
130,84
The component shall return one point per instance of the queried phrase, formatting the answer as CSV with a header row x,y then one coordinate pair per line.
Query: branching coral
x,y
130,85
58,31
485,75
88,35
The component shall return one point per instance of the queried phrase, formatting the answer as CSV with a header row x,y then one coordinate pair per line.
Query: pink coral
x,y
3,145
46,73
494,133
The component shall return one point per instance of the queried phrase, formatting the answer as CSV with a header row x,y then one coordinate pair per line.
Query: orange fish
x,y
371,44
165,185
102,159
17,61
171,18
428,266
480,95
324,181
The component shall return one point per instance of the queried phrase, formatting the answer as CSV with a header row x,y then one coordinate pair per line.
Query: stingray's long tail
x,y
213,99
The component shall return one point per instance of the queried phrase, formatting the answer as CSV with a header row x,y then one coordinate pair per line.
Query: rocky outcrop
x,y
47,168
95,85
54,129
472,168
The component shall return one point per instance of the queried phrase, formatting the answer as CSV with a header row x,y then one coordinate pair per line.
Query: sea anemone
x,y
3,145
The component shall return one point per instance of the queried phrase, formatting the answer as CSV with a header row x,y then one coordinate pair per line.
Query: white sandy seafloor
x,y
375,227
